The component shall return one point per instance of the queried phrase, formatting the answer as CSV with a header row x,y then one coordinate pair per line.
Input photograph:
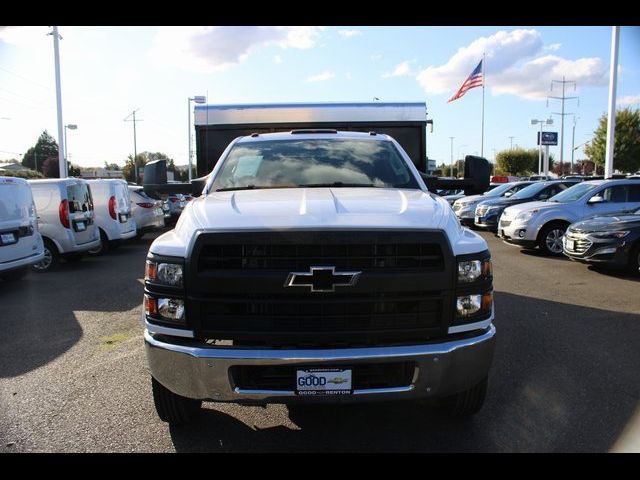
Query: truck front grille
x,y
296,257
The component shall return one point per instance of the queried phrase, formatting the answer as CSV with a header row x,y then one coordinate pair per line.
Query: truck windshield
x,y
314,163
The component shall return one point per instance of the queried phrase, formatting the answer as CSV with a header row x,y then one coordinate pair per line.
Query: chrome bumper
x,y
202,372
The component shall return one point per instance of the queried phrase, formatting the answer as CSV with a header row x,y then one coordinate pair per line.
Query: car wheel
x,y
103,247
172,408
14,275
51,258
550,239
468,402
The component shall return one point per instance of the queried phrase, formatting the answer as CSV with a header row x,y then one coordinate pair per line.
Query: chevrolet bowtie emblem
x,y
322,279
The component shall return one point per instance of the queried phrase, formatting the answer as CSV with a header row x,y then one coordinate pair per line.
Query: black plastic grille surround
x,y
364,376
236,289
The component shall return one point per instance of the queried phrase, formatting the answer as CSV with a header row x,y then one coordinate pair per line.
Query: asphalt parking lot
x,y
566,372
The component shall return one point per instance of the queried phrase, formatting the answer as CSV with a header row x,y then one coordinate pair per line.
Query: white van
x,y
20,242
113,215
65,220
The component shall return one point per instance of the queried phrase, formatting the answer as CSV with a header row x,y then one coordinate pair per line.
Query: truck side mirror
x,y
475,181
595,199
155,182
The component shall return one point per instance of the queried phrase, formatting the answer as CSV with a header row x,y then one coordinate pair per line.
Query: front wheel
x,y
467,403
173,408
550,239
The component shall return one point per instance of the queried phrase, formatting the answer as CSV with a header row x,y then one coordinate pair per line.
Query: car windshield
x,y
314,163
529,191
574,193
499,190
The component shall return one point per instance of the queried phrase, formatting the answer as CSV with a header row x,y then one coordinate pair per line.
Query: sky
x,y
107,72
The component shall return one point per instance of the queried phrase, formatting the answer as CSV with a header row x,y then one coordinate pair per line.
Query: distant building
x,y
13,167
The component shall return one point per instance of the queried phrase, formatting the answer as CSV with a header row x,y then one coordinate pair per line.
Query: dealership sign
x,y
548,138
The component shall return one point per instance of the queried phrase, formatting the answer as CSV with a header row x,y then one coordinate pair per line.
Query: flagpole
x,y
483,82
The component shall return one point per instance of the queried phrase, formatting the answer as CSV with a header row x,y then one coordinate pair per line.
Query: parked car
x,y
147,211
20,242
465,207
542,224
488,211
173,205
113,215
612,240
65,220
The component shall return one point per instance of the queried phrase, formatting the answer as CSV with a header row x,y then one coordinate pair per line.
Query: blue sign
x,y
548,138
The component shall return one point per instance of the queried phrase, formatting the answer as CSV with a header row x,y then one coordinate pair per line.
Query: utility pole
x,y
135,148
611,120
451,156
511,147
573,142
562,113
62,164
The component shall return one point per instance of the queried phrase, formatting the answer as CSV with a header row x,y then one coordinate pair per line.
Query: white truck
x,y
317,266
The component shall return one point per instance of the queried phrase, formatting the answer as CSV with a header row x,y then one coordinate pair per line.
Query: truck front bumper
x,y
199,371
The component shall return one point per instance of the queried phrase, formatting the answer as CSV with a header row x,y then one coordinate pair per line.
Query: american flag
x,y
474,80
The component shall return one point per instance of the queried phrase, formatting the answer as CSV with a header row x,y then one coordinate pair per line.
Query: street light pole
x,y
451,138
611,120
56,54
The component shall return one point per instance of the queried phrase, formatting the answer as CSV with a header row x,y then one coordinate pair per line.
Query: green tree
x,y
518,161
111,166
46,147
141,160
626,149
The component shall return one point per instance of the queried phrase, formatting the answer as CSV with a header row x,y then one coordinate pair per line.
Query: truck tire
x,y
467,403
550,239
173,408
51,258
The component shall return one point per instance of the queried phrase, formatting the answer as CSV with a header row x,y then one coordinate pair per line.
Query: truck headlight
x,y
165,309
474,305
524,217
472,270
170,274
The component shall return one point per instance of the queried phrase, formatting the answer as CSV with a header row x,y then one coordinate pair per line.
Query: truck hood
x,y
315,207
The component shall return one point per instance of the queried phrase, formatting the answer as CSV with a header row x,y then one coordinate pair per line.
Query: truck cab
x,y
316,266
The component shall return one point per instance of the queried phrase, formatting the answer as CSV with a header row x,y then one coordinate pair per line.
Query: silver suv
x,y
543,224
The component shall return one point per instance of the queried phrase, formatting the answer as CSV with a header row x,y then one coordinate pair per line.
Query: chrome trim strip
x,y
471,326
367,391
364,391
320,355
174,332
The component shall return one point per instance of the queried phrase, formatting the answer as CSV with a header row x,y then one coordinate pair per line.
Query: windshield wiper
x,y
252,187
336,184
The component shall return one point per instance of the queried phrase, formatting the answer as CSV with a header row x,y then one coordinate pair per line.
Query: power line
x,y
135,147
562,113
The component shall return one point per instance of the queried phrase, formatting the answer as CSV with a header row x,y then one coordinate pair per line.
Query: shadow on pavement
x,y
38,323
561,381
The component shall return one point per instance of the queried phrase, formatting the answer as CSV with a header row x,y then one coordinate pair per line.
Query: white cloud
x,y
348,76
209,49
350,33
629,100
375,57
321,77
277,59
402,69
553,47
24,36
513,66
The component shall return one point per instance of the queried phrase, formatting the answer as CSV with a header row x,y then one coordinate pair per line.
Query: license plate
x,y
323,381
159,211
8,238
571,244
182,204
123,218
81,226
